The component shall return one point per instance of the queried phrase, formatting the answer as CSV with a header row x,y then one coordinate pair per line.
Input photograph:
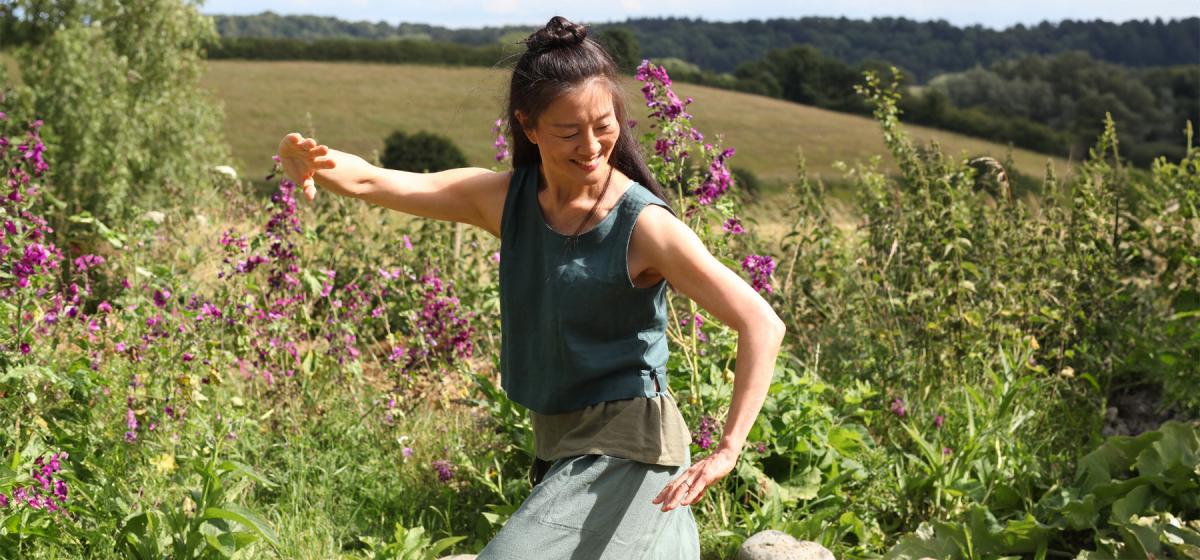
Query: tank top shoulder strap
x,y
512,198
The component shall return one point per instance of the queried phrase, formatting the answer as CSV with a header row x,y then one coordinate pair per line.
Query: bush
x,y
422,151
117,83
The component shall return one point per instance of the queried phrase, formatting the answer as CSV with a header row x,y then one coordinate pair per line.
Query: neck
x,y
564,191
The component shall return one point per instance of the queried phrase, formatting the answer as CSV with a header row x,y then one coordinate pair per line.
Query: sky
x,y
479,13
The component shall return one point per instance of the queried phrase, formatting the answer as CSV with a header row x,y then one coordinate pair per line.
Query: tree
x,y
421,151
623,47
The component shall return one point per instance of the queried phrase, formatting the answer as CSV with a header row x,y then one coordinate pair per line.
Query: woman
x,y
588,245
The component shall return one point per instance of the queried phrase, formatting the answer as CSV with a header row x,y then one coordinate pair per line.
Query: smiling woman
x,y
588,247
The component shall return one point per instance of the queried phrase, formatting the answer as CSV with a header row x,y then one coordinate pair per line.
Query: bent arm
x,y
677,253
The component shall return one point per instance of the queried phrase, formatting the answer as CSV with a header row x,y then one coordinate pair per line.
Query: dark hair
x,y
558,58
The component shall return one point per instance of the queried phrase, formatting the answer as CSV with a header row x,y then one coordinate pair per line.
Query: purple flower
x,y
703,436
25,348
131,424
733,226
120,347
408,243
443,469
938,421
695,323
947,451
759,267
161,297
501,143
187,357
406,452
898,408
718,181
660,98
87,262
3,498
104,307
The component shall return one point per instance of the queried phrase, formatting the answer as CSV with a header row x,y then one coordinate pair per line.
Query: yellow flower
x,y
164,464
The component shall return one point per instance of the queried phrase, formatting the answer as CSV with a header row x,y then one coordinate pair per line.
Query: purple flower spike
x,y
733,226
898,408
443,469
759,267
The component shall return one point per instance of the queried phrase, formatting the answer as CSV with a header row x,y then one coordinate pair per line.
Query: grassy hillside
x,y
353,106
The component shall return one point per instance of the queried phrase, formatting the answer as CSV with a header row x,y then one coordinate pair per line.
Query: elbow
x,y
766,326
778,328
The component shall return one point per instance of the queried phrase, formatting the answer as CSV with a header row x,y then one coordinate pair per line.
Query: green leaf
x,y
234,512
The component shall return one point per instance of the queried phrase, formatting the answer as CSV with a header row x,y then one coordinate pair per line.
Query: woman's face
x,y
576,134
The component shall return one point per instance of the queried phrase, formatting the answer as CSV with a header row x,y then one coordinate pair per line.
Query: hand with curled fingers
x,y
301,158
690,486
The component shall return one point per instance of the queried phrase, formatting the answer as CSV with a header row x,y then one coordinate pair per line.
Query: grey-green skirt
x,y
598,507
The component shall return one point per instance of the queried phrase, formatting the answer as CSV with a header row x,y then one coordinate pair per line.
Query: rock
x,y
459,557
777,545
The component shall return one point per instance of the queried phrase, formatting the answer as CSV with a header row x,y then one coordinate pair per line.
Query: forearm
x,y
757,349
352,175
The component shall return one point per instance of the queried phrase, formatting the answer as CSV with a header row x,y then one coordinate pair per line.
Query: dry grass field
x,y
354,106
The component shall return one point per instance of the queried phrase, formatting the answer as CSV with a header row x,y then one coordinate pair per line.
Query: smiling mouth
x,y
587,163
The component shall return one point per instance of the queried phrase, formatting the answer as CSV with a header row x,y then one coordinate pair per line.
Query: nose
x,y
592,146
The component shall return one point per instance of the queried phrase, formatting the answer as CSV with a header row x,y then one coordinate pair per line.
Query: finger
x,y
310,188
670,488
293,138
324,163
321,150
694,488
308,144
695,496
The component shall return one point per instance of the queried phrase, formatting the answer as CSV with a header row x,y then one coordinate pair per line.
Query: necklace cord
x,y
575,236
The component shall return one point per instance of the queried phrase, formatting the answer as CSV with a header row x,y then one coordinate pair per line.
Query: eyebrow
x,y
573,125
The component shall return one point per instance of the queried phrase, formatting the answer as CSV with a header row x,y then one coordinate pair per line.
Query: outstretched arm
x,y
470,195
675,252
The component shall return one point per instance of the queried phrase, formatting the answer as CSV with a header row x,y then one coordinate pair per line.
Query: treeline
x,y
922,48
392,51
620,43
1071,92
1051,104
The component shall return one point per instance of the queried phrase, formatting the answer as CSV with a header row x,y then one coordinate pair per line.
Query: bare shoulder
x,y
659,243
657,229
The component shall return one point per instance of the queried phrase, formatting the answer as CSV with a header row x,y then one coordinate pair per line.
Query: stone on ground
x,y
777,545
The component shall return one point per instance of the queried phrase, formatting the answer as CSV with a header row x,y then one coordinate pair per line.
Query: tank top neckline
x,y
611,215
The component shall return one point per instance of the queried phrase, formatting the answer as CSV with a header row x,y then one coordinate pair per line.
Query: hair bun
x,y
558,33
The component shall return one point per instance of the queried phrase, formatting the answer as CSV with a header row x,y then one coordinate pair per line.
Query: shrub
x,y
421,151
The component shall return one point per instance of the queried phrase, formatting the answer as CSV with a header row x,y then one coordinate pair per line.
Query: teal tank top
x,y
575,331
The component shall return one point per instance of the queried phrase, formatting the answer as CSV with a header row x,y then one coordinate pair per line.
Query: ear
x,y
523,122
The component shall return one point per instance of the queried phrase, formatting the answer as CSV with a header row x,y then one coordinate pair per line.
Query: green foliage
x,y
98,65
1070,93
409,544
421,151
623,47
1136,495
407,51
206,525
925,48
